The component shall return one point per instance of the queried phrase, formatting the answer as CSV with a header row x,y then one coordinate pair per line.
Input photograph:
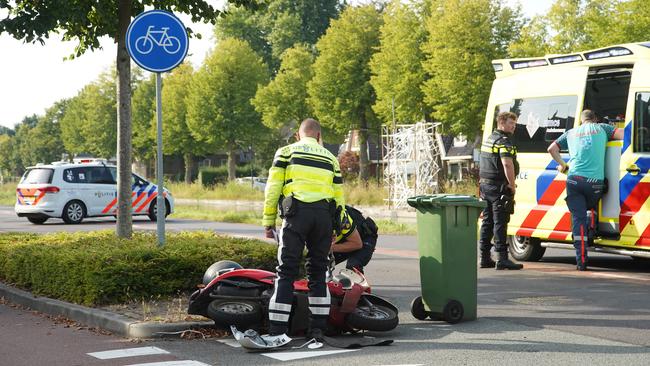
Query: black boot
x,y
486,261
504,263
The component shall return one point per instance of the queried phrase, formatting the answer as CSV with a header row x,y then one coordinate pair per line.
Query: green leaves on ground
x,y
99,268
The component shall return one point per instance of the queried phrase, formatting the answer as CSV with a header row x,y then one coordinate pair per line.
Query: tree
x,y
89,122
43,142
143,106
219,110
87,21
532,41
464,37
397,73
7,163
280,26
283,102
176,134
340,91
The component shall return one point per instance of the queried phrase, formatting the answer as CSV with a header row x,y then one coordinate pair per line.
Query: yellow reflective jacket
x,y
306,170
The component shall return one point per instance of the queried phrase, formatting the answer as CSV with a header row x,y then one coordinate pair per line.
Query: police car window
x,y
642,123
540,120
38,176
100,175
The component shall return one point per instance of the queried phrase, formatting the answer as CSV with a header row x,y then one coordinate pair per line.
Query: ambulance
x,y
74,191
547,94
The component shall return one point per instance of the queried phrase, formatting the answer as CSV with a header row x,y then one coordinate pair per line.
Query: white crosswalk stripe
x,y
128,352
172,363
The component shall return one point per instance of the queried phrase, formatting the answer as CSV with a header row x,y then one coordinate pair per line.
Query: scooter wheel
x,y
417,309
240,313
453,312
377,318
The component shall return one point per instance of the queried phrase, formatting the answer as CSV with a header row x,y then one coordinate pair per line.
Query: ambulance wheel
x,y
524,248
417,309
37,220
240,313
73,212
153,210
453,312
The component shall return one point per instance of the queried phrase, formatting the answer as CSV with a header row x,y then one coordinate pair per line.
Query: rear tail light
x,y
50,189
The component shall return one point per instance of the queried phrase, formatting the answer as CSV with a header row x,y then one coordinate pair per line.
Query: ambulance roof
x,y
612,55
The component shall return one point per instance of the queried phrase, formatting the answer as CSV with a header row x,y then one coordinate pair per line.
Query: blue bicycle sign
x,y
157,41
144,44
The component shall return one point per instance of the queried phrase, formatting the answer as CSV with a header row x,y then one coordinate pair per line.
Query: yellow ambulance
x,y
548,93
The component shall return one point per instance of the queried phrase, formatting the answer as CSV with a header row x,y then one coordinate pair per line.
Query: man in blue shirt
x,y
586,178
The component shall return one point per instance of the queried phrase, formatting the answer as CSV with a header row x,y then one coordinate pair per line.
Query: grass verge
x,y
8,194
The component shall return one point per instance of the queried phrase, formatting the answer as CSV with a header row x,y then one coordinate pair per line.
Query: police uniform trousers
x,y
310,226
582,195
358,258
495,221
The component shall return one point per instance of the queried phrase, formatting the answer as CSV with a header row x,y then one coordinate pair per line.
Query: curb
x,y
114,323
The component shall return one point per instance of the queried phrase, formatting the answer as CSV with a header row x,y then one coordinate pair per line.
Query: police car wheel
x,y
73,212
153,210
37,220
523,248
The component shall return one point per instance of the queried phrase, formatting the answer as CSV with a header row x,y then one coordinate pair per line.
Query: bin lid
x,y
438,200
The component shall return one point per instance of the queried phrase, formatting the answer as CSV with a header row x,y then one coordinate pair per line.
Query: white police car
x,y
74,191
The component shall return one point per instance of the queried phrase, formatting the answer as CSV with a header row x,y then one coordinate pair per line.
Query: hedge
x,y
98,268
210,176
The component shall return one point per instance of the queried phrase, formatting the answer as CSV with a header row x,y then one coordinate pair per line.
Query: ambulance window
x,y
642,123
541,120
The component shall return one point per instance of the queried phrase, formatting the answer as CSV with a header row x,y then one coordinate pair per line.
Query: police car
x,y
548,93
74,191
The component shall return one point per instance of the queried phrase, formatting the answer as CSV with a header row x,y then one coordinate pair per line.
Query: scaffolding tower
x,y
412,158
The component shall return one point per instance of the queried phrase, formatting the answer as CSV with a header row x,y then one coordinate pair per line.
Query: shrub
x,y
209,176
99,268
349,164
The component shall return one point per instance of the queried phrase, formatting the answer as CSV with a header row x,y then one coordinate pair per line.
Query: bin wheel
x,y
453,312
417,309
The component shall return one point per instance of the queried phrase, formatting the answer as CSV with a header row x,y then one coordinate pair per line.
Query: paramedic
x,y
585,182
357,240
305,179
498,168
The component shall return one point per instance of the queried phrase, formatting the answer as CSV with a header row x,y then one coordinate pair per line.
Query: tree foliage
x,y
278,27
340,91
283,102
397,73
219,110
464,37
90,120
143,114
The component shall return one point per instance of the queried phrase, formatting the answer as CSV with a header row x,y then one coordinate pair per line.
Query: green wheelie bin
x,y
446,226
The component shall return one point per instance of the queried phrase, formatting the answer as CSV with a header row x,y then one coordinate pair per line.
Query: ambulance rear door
x,y
634,186
547,100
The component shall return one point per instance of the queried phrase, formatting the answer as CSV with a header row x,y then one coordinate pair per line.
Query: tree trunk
x,y
189,167
231,162
124,227
363,150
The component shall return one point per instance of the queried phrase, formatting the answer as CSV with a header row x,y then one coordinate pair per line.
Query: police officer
x,y
357,240
585,181
498,168
306,179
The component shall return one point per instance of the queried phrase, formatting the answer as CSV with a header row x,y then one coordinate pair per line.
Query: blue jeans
x,y
582,195
359,258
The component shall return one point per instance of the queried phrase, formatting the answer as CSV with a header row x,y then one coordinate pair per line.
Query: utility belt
x,y
494,182
289,207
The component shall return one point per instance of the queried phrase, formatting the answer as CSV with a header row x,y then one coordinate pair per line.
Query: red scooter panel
x,y
253,274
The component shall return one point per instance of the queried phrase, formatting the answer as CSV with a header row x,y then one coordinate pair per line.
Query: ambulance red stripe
x,y
562,228
535,216
633,203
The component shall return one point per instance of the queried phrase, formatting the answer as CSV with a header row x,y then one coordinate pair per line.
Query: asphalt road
x,y
547,314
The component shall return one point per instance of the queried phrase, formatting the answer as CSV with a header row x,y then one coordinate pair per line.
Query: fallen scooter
x,y
234,296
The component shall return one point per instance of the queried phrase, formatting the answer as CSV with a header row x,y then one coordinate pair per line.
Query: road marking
x,y
172,363
128,352
230,342
414,364
290,356
571,271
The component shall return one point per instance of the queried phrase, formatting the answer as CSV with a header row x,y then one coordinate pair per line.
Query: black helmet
x,y
219,268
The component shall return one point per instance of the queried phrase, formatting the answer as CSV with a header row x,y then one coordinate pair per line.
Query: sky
x,y
33,77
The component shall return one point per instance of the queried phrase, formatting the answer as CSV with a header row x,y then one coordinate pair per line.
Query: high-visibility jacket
x,y
495,147
306,170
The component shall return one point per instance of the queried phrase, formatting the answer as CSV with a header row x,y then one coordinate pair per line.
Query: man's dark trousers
x,y
495,221
359,258
311,226
582,195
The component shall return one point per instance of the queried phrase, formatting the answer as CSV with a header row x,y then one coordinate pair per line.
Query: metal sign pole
x,y
160,200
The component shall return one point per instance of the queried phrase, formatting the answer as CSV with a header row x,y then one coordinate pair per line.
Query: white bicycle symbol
x,y
144,44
